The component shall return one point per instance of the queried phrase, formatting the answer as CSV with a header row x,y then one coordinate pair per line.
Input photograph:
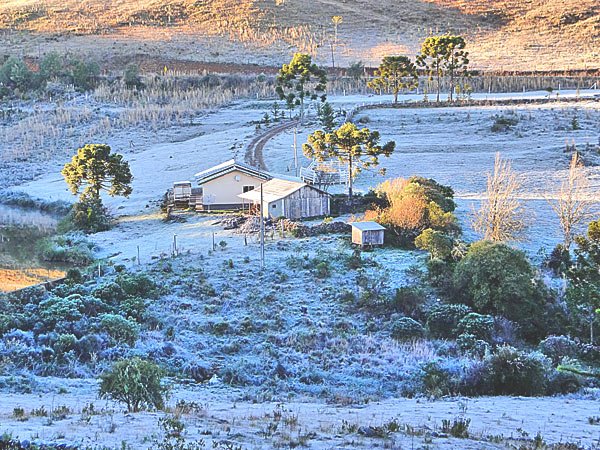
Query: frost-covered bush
x,y
562,383
119,328
110,292
57,310
471,344
443,319
406,328
514,372
138,285
479,325
408,300
558,347
72,248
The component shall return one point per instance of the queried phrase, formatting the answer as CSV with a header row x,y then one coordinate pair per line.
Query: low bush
x,y
135,382
558,347
514,372
478,325
71,248
438,244
138,285
118,328
408,300
560,383
406,328
443,319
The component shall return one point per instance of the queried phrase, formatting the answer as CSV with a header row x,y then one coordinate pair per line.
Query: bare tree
x,y
501,216
571,205
336,21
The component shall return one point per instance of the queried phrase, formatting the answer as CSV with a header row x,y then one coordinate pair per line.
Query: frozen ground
x,y
496,422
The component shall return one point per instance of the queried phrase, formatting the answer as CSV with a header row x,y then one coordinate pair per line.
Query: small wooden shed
x,y
367,234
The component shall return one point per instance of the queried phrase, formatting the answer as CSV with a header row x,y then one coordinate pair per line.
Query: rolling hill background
x,y
503,34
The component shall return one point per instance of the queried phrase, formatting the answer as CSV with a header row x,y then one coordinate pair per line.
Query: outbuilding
x,y
367,234
290,199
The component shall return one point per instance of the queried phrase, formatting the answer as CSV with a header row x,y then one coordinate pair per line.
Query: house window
x,y
248,188
274,205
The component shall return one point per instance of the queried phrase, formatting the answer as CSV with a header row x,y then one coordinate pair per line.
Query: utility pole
x,y
295,151
262,230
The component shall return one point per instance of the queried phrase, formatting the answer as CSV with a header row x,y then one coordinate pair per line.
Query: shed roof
x,y
227,167
275,189
367,226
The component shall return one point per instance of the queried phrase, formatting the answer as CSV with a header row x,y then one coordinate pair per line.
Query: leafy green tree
x,y
301,79
394,74
444,56
96,168
358,148
497,279
583,292
135,382
326,116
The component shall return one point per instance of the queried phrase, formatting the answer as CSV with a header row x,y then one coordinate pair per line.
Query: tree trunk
x,y
395,96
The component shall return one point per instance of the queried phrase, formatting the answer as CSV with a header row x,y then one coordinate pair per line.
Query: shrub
x,y
119,328
138,285
56,310
496,279
438,244
406,328
479,325
503,123
135,382
558,347
72,248
87,215
443,319
74,276
563,383
110,292
513,372
408,300
469,343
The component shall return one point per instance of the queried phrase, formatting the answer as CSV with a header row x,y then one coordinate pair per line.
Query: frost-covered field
x,y
220,418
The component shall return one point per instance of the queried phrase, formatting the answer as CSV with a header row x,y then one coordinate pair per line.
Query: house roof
x,y
275,189
227,167
367,226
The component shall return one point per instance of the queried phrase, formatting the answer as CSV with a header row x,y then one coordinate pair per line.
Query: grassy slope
x,y
533,34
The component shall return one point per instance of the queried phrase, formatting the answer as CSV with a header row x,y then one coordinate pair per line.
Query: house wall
x,y
223,191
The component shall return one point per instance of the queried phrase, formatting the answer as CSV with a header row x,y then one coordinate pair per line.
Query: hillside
x,y
503,34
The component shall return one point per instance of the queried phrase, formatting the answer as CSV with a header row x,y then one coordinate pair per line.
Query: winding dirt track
x,y
254,150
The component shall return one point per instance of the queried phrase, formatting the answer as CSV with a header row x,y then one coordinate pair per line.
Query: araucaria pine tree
x,y
358,148
299,80
394,74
